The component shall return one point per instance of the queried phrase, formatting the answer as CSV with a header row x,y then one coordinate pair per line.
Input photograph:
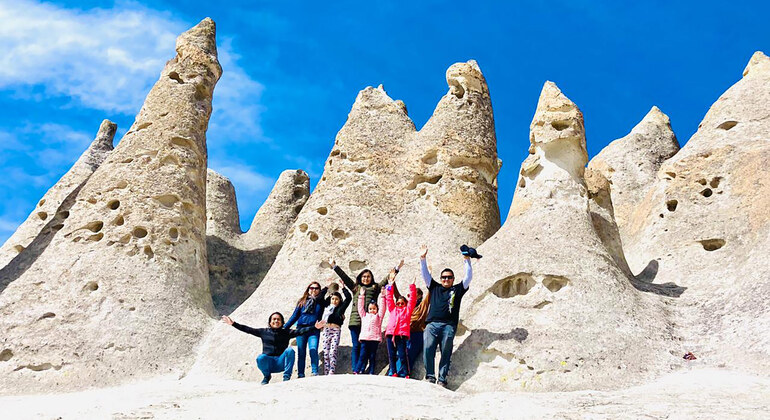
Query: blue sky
x,y
292,70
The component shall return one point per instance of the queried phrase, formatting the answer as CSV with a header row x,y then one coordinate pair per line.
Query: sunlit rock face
x,y
386,189
239,261
550,307
121,291
704,227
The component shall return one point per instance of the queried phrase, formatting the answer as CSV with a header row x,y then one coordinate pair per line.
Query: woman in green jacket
x,y
365,279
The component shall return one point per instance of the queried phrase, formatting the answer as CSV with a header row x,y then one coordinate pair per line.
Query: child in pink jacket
x,y
399,322
371,331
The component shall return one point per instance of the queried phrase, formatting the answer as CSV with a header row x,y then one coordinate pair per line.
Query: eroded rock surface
x,y
704,227
53,209
631,163
239,261
385,190
549,307
122,291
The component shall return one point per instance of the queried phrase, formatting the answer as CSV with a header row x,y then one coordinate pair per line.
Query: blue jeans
x,y
397,355
354,333
368,354
414,348
438,334
272,364
309,339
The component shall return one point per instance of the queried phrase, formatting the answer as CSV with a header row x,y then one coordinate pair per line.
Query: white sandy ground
x,y
689,394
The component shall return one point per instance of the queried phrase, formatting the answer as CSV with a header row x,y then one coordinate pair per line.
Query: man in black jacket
x,y
276,355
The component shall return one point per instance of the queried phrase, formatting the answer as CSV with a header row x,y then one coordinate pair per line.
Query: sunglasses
x,y
314,288
447,277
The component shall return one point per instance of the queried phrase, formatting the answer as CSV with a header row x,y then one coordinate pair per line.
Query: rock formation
x,y
385,190
121,291
53,208
631,163
549,307
704,227
239,261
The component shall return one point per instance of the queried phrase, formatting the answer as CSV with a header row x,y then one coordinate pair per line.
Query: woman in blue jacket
x,y
308,310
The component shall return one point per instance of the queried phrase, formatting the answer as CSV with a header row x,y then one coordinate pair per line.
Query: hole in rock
x,y
356,265
671,205
139,232
95,226
707,192
660,215
63,214
91,286
297,209
555,283
41,202
671,174
175,76
129,160
113,204
173,233
702,181
541,305
715,181
119,221
91,200
167,200
422,191
170,160
132,309
322,211
6,355
42,215
303,227
560,125
182,142
360,170
335,152
122,184
47,315
430,158
313,236
343,155
19,248
339,234
727,125
57,227
298,193
96,238
712,244
518,284
522,182
142,126
148,251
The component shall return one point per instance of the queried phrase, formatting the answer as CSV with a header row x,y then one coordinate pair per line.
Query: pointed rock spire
x,y
122,290
222,219
758,60
51,211
631,163
275,218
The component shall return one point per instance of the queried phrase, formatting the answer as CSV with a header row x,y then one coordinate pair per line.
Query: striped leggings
x,y
331,340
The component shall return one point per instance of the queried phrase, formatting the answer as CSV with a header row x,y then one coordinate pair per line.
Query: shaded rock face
x,y
550,307
631,163
704,226
53,209
386,189
122,291
239,261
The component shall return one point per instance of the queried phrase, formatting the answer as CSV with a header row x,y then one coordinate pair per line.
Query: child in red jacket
x,y
399,320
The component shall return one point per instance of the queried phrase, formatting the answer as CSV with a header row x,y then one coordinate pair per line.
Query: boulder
x,y
121,292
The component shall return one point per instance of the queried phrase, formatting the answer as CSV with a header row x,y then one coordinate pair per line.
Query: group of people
x,y
415,322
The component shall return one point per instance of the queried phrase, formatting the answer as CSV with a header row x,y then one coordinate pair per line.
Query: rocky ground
x,y
695,393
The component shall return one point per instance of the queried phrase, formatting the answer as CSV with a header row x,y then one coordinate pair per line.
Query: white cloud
x,y
108,59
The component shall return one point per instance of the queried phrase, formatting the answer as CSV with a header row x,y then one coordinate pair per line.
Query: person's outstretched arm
x,y
293,318
347,299
361,304
468,273
424,267
342,274
253,331
381,305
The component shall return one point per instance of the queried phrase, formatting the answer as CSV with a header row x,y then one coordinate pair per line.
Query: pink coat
x,y
371,324
400,319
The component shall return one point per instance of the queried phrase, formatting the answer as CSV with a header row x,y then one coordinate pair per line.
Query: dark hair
x,y
448,270
361,274
419,291
283,321
339,296
371,302
303,299
402,297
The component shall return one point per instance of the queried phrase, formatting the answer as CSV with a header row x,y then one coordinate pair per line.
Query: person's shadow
x,y
467,356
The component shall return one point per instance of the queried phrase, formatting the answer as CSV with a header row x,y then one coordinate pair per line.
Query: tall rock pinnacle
x,y
239,261
384,183
53,208
631,163
122,289
549,307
